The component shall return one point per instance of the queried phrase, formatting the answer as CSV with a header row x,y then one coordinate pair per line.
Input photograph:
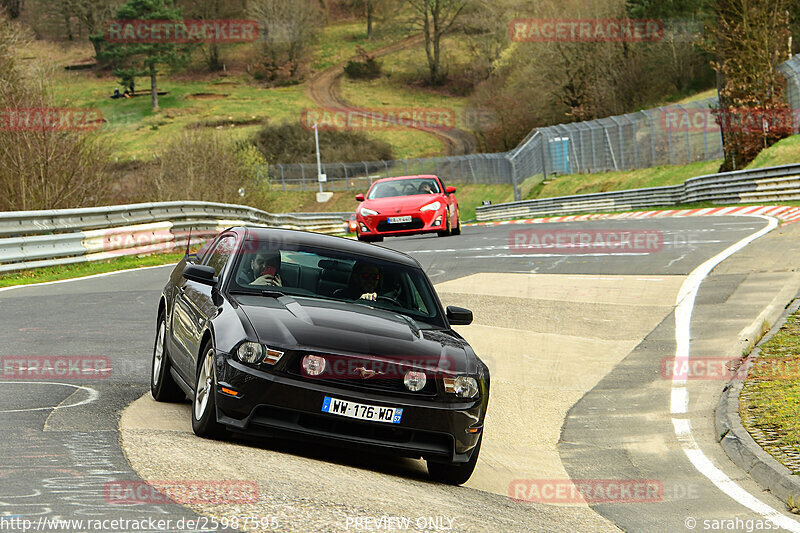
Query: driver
x,y
425,188
363,283
263,269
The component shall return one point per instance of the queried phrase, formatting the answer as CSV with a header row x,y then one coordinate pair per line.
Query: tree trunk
x,y
153,87
370,8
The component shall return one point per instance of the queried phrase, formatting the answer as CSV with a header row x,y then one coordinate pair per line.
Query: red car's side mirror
x,y
450,190
360,197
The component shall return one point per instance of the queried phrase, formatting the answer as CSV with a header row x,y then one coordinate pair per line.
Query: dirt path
x,y
323,89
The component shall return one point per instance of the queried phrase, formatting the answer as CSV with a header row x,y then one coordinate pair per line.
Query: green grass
x,y
78,270
770,400
784,152
625,179
338,42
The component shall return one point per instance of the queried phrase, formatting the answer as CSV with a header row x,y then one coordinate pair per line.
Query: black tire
x,y
457,229
162,384
204,405
447,232
455,473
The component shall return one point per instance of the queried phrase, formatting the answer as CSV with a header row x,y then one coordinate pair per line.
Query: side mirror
x,y
360,197
200,273
450,190
458,316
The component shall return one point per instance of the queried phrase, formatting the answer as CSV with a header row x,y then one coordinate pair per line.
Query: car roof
x,y
330,242
400,178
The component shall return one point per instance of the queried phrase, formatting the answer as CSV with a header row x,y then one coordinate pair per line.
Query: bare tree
x,y
749,39
436,18
40,167
213,10
288,28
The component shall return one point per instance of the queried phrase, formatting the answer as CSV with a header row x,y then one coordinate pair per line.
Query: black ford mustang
x,y
305,335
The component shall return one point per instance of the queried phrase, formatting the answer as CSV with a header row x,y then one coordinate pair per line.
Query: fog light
x,y
314,365
415,381
438,221
250,352
363,228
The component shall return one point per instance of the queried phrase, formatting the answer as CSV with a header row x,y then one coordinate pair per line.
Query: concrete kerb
x,y
737,442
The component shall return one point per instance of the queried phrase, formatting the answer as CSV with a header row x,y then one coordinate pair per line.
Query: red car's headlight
x,y
435,206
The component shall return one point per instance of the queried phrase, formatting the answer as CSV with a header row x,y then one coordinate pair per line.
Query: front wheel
x,y
457,229
204,406
162,385
447,231
455,473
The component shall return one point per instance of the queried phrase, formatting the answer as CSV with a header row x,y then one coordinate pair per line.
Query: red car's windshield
x,y
407,187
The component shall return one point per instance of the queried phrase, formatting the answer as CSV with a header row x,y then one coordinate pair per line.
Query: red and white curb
x,y
785,213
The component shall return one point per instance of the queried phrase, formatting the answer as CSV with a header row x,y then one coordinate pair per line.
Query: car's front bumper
x,y
421,222
268,403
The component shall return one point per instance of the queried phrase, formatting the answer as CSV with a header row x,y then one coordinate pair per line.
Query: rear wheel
x,y
455,473
162,385
204,406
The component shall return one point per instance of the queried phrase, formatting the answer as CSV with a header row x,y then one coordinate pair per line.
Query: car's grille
x,y
415,223
345,372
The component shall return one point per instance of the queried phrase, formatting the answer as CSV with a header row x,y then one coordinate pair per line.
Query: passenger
x,y
425,188
363,283
263,269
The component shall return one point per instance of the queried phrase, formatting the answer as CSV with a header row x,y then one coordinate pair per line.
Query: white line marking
x,y
93,395
84,277
679,400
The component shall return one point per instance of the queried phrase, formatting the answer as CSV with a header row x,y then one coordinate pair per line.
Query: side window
x,y
441,182
222,252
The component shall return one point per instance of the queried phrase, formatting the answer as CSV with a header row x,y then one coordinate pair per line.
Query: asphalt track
x,y
575,340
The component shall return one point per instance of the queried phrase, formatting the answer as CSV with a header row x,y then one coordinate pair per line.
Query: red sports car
x,y
407,205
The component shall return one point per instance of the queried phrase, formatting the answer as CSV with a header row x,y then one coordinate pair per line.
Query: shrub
x,y
366,67
203,165
292,143
42,168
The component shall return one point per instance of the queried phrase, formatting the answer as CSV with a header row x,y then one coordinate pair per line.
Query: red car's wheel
x,y
446,232
457,229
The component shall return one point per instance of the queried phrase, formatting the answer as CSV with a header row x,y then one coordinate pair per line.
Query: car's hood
x,y
346,328
403,203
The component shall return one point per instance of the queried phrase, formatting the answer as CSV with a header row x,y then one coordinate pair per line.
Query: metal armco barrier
x,y
31,239
772,184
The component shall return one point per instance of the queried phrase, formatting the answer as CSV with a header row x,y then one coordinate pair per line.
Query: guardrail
x,y
771,184
31,239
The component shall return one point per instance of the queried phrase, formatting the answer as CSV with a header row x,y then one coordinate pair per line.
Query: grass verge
x,y
770,401
79,270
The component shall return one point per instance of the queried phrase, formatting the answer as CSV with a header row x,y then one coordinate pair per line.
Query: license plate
x,y
399,220
360,411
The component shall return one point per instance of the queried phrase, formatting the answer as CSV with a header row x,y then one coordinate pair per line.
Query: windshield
x,y
320,273
408,187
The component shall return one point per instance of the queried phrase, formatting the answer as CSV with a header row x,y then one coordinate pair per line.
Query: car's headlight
x,y
462,386
365,212
431,207
415,381
250,352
